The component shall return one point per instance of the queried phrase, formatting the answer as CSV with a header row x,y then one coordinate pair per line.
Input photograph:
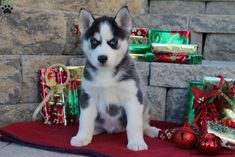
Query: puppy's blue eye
x,y
113,43
94,43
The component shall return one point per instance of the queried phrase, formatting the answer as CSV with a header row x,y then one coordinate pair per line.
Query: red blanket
x,y
57,138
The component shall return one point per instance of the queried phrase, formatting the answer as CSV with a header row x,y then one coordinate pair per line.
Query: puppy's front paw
x,y
78,141
137,145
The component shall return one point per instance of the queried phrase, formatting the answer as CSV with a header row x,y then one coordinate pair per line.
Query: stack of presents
x,y
152,45
211,101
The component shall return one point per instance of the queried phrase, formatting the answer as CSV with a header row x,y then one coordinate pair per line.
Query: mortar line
x,y
167,89
148,3
149,74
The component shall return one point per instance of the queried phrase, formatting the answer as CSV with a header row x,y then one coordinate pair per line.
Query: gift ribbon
x,y
182,34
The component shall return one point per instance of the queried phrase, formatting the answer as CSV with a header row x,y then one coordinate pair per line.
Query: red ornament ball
x,y
185,138
209,144
229,123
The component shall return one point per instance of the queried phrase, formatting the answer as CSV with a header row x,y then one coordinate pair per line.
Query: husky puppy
x,y
111,97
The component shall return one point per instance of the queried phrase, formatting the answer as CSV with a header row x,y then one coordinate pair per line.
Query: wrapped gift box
x,y
169,37
139,31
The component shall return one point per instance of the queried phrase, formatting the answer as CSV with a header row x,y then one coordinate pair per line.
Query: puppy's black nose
x,y
102,58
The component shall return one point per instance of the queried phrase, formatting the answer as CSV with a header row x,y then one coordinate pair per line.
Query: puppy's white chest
x,y
105,89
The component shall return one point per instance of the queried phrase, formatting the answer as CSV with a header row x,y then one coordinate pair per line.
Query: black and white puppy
x,y
111,97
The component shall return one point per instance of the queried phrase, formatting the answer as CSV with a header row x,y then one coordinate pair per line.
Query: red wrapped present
x,y
139,32
181,58
53,110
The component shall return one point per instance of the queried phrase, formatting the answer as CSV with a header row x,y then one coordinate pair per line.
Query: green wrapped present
x,y
73,92
190,114
169,37
139,48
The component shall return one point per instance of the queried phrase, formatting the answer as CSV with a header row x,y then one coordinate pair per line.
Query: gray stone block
x,y
19,150
178,75
196,38
177,7
143,69
3,144
156,98
16,113
144,6
30,66
169,22
101,7
175,105
77,61
73,42
213,23
10,78
32,32
141,21
221,8
220,47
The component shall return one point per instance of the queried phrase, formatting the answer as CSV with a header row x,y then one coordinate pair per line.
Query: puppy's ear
x,y
123,19
85,20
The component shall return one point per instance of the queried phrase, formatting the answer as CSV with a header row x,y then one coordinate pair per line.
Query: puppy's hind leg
x,y
98,130
149,131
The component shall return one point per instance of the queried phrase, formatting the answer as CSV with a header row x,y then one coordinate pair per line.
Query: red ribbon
x,y
185,34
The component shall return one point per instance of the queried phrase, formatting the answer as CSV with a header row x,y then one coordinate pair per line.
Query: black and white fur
x,y
111,96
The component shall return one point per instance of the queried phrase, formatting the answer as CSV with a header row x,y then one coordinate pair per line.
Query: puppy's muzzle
x,y
102,59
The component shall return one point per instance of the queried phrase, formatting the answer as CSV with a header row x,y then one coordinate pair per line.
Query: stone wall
x,y
39,33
